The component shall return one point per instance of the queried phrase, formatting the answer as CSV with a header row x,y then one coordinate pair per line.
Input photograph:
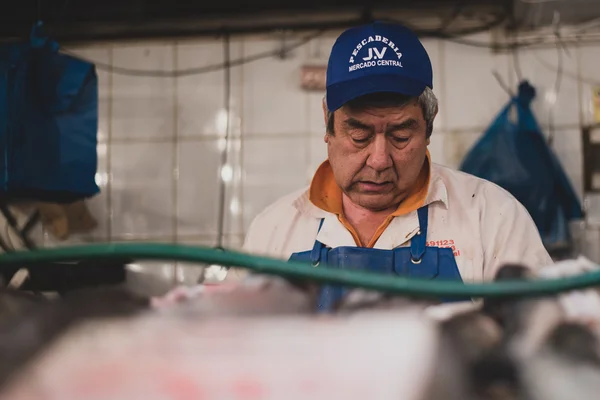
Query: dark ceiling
x,y
85,20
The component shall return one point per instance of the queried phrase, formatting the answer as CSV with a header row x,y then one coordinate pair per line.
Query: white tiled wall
x,y
143,107
562,107
161,138
469,93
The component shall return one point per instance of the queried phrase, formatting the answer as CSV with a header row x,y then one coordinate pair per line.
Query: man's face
x,y
377,153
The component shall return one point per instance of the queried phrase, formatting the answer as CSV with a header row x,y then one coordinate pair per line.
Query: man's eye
x,y
400,139
360,140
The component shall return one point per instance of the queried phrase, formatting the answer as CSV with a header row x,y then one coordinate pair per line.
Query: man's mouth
x,y
370,186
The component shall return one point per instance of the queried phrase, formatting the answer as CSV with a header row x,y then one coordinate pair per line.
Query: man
x,y
379,203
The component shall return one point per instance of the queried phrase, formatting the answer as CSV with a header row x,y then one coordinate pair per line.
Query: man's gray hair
x,y
427,101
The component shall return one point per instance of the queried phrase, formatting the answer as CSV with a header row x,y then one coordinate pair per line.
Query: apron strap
x,y
320,225
417,243
315,254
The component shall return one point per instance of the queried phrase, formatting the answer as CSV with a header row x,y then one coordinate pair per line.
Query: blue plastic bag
x,y
515,156
48,122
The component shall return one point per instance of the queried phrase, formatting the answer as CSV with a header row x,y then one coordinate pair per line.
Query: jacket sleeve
x,y
509,235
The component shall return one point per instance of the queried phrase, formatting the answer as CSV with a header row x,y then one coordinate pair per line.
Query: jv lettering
x,y
378,54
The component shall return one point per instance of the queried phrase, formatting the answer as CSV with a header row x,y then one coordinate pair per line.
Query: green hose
x,y
395,285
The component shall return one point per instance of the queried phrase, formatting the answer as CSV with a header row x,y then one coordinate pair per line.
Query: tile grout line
x,y
578,58
109,149
307,138
251,137
580,86
224,154
175,161
242,140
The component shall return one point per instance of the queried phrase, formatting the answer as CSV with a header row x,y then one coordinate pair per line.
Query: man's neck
x,y
364,221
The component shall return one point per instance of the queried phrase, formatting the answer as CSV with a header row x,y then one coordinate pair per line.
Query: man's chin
x,y
375,202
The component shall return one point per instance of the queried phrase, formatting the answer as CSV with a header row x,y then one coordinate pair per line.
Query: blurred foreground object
x,y
168,357
262,339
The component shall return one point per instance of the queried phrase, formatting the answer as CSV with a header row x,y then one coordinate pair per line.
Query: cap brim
x,y
340,93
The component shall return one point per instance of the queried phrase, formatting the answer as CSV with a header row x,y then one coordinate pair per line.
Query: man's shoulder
x,y
282,208
462,183
270,228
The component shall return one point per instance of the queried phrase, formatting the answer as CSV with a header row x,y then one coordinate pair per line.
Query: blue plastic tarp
x,y
514,154
48,122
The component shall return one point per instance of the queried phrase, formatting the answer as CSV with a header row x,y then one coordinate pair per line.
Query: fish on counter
x,y
263,337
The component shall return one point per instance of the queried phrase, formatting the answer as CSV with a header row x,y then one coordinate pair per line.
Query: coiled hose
x,y
383,283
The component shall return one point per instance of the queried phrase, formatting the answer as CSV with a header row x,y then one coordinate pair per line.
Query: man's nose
x,y
380,157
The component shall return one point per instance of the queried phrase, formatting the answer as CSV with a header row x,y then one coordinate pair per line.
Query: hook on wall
x,y
503,84
283,51
517,64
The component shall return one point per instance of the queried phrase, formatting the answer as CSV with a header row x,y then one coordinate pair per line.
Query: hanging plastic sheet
x,y
513,153
48,122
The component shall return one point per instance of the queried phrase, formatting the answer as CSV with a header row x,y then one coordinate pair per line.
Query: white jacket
x,y
483,223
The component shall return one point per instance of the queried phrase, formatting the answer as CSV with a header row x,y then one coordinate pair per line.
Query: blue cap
x,y
378,57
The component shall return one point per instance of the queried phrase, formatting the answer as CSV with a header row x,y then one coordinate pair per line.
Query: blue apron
x,y
416,261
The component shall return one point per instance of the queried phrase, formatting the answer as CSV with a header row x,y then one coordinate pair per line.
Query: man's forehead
x,y
388,113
